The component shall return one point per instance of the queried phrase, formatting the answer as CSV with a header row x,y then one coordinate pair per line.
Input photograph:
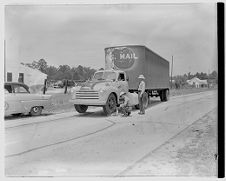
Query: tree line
x,y
181,80
62,72
84,73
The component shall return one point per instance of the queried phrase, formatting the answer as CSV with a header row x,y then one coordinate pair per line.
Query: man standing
x,y
141,90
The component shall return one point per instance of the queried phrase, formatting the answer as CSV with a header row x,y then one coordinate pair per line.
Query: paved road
x,y
70,144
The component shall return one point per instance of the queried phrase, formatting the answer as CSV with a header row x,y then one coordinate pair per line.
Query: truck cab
x,y
102,90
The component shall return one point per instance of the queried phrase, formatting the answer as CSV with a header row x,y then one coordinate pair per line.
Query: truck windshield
x,y
104,76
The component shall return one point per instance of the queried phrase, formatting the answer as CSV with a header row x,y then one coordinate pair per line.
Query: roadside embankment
x,y
193,152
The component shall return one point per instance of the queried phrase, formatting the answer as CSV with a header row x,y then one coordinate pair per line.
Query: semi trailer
x,y
123,65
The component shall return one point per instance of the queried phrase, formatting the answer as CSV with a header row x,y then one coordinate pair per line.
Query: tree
x,y
51,71
189,76
63,71
42,65
64,68
214,76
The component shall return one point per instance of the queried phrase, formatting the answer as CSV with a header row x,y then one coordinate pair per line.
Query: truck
x,y
123,65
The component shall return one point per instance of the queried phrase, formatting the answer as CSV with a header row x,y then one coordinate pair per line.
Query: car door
x,y
23,96
12,103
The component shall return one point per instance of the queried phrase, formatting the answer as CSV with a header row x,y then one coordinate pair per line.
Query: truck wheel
x,y
81,108
36,111
110,106
145,100
166,95
161,95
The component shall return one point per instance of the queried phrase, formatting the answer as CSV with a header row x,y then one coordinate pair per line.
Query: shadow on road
x,y
153,103
93,114
100,113
19,116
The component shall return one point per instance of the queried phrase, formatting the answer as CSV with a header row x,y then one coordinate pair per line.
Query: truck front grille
x,y
87,94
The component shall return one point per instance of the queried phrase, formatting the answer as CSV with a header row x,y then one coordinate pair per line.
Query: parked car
x,y
18,100
58,84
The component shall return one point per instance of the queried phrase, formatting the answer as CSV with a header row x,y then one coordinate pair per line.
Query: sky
x,y
77,34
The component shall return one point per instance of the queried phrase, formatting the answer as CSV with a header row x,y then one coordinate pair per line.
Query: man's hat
x,y
122,93
141,77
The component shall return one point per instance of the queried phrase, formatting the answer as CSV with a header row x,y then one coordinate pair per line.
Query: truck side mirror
x,y
127,79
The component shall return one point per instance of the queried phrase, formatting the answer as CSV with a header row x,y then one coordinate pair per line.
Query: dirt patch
x,y
198,156
193,152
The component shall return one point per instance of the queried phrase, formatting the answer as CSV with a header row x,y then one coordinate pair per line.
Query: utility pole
x,y
172,73
5,61
208,81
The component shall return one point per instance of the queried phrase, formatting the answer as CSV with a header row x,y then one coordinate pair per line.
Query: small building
x,y
21,73
197,82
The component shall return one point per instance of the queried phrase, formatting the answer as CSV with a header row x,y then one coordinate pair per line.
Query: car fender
x,y
28,104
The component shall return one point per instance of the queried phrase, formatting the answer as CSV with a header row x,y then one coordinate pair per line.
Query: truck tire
x,y
36,111
81,108
161,95
166,95
145,100
111,104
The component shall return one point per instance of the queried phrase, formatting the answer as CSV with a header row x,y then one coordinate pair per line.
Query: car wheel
x,y
36,111
81,108
111,104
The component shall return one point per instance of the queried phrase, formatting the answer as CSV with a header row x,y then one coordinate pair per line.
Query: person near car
x,y
125,108
141,90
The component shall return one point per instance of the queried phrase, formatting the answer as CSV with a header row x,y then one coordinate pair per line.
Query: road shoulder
x,y
190,153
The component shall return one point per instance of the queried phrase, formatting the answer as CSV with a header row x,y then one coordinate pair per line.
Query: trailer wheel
x,y
110,106
161,95
81,108
145,100
166,95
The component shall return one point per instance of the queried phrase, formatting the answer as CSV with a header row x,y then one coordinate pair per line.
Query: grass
x,y
176,92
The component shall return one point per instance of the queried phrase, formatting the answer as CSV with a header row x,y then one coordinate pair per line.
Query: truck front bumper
x,y
88,102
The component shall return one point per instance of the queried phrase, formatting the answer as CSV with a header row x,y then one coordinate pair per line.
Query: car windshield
x,y
104,76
